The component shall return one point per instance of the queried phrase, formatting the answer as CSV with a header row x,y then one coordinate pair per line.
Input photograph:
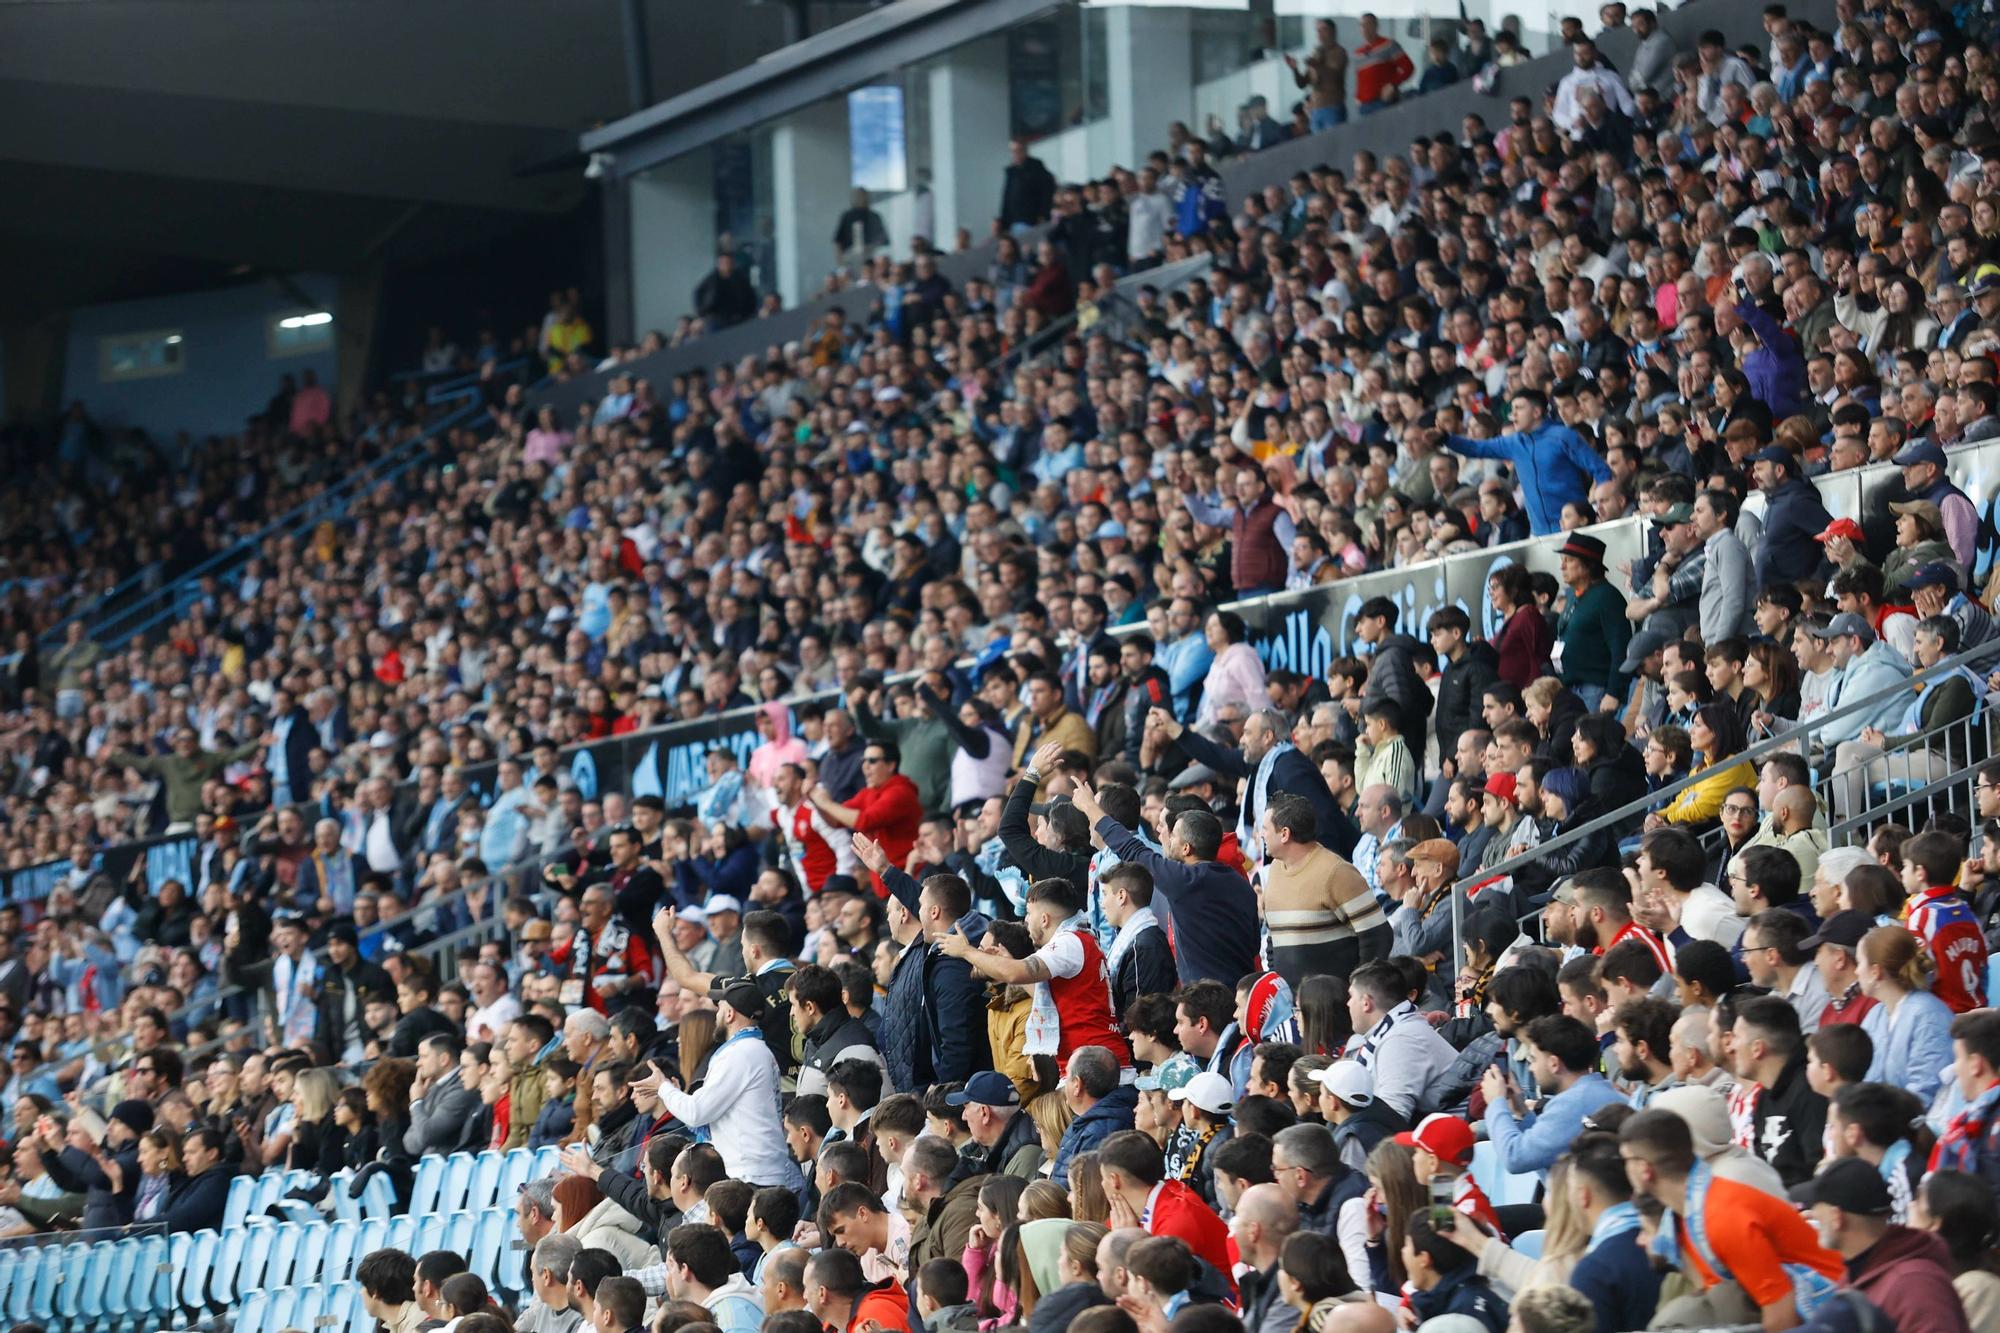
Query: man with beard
x,y
1643,1051
819,848
1603,916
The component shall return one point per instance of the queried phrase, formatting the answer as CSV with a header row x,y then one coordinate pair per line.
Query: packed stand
x,y
1110,982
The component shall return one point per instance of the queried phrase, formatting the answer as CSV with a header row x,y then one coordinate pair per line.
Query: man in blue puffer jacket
x,y
1103,1105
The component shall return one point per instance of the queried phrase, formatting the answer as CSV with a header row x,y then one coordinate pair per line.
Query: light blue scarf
x,y
1247,835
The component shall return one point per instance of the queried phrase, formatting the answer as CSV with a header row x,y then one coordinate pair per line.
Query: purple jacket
x,y
1777,369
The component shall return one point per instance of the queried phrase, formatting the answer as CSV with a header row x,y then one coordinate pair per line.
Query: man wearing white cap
x,y
725,927
1206,1101
1348,1104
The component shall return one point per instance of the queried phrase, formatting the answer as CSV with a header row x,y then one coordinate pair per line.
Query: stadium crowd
x,y
1049,978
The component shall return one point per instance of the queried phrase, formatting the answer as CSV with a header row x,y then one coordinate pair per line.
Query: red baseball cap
x,y
1444,1137
1501,785
1841,527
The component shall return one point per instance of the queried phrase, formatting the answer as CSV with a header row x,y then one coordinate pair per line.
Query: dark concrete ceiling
x,y
149,145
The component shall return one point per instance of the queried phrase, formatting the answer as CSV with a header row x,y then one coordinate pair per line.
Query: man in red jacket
x,y
1134,1174
887,808
841,1298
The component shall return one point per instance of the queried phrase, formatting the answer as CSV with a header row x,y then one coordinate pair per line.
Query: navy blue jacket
x,y
1207,891
949,1025
196,1202
1620,1283
1094,1126
1793,518
1462,1291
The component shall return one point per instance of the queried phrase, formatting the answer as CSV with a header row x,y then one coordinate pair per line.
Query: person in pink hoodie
x,y
779,747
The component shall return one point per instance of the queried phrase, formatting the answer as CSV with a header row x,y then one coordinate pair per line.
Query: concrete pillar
x,y
970,114
811,175
673,239
1151,67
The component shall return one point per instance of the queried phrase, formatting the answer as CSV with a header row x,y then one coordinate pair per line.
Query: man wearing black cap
x,y
1923,465
1933,588
738,1103
993,1116
105,1170
1906,1272
345,983
1793,517
1835,948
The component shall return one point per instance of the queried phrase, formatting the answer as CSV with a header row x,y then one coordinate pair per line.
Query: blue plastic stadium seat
x,y
430,1234
341,1256
282,1311
10,1277
425,1185
378,1197
236,1209
402,1234
457,1182
485,1187
250,1315
151,1298
223,1262
111,1297
180,1252
284,1253
489,1242
75,1267
458,1233
372,1235
548,1161
1528,1243
312,1302
515,1172
256,1259
345,1206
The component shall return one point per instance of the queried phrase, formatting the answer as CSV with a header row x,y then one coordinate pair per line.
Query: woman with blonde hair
x,y
1076,1288
1379,1220
1043,1199
1087,1200
318,1143
1565,1237
1051,1113
1913,1042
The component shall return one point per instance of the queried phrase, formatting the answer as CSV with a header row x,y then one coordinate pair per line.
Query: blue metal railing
x,y
114,625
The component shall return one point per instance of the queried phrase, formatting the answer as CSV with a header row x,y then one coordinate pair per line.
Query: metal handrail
x,y
1653,800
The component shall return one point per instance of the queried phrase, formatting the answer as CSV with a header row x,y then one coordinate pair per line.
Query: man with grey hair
x,y
535,1210
1102,1104
1268,762
548,1278
1305,1163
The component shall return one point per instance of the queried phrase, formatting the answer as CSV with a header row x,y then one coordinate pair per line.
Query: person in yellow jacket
x,y
1049,722
1716,734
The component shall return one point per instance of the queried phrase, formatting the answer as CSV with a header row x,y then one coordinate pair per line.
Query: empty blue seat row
x,y
102,1282
476,1181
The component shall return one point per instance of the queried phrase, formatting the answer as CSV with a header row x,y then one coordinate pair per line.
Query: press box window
x,y
140,356
300,333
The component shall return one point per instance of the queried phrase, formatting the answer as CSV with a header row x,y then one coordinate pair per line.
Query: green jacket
x,y
1593,634
927,751
184,777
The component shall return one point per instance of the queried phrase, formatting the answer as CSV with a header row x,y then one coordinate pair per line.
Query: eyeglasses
x,y
1739,809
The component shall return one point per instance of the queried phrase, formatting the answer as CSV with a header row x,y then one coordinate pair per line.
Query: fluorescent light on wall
x,y
172,339
312,320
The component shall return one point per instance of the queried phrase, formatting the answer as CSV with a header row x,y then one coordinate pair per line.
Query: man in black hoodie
x,y
1790,1117
1471,665
1392,665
